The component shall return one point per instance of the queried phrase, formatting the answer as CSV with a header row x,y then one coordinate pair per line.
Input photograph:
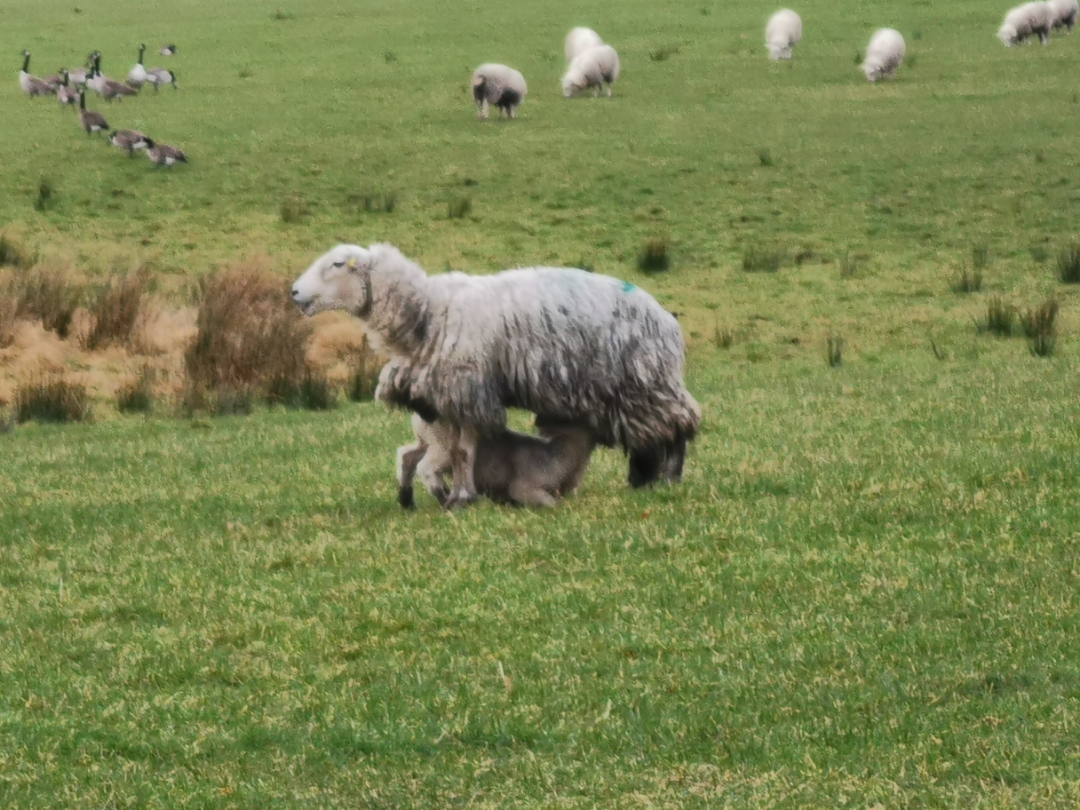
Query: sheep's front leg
x,y
484,110
408,457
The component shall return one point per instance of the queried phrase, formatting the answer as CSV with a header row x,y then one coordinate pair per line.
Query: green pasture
x,y
863,595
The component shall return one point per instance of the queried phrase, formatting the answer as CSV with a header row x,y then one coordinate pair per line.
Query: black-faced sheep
x,y
499,85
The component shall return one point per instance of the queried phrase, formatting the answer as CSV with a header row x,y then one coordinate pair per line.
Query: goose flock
x,y
70,86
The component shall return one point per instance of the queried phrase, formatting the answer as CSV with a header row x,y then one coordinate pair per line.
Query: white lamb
x,y
593,68
499,85
580,40
510,467
1025,21
884,54
782,32
1066,13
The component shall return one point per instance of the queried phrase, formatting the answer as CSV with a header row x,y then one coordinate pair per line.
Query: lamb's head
x,y
1008,34
339,279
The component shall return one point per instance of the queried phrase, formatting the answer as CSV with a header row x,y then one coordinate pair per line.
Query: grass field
x,y
864,594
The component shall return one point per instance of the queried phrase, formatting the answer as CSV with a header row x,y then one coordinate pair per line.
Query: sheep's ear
x,y
353,265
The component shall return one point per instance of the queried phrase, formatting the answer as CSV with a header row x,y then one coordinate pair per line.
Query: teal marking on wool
x,y
628,287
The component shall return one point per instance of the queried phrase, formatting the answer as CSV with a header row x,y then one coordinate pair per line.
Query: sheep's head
x,y
1008,34
339,279
573,83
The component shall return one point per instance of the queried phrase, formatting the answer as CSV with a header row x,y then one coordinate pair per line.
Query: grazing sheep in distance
x,y
499,85
568,345
592,68
580,40
782,32
1024,21
884,54
511,467
1066,13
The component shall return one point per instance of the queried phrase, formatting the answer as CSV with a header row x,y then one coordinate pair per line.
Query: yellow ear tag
x,y
352,263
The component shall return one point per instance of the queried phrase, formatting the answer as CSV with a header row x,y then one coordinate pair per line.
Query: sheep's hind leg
x,y
645,466
408,457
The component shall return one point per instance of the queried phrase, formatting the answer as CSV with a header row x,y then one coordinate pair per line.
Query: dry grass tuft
x,y
116,310
51,399
250,337
48,294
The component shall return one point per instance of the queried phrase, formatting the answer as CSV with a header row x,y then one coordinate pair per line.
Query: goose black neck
x,y
82,101
26,62
142,49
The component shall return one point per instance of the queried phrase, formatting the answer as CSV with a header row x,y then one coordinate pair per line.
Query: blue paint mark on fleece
x,y
628,287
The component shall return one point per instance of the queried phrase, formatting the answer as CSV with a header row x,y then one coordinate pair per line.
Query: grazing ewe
x,y
568,345
1024,21
1066,13
511,467
884,54
580,40
782,32
32,85
499,85
592,68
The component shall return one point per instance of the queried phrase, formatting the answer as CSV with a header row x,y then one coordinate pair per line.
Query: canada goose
x,y
91,121
95,80
160,76
137,75
32,85
114,89
65,93
164,155
107,88
130,140
168,50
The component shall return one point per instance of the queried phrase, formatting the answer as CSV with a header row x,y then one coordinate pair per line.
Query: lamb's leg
x,y
432,470
408,457
464,460
483,110
526,494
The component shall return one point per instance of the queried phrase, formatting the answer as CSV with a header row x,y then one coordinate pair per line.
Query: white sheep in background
x,y
580,40
499,85
1025,21
782,32
568,345
1066,13
592,68
511,467
884,54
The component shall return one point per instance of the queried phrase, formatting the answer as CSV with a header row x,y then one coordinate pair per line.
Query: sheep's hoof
x,y
405,498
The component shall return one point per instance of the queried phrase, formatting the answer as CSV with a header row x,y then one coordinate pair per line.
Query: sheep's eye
x,y
338,264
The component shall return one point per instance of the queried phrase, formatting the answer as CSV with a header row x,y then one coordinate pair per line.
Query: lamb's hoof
x,y
405,498
459,500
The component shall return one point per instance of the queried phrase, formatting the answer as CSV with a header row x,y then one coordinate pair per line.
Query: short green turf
x,y
864,593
